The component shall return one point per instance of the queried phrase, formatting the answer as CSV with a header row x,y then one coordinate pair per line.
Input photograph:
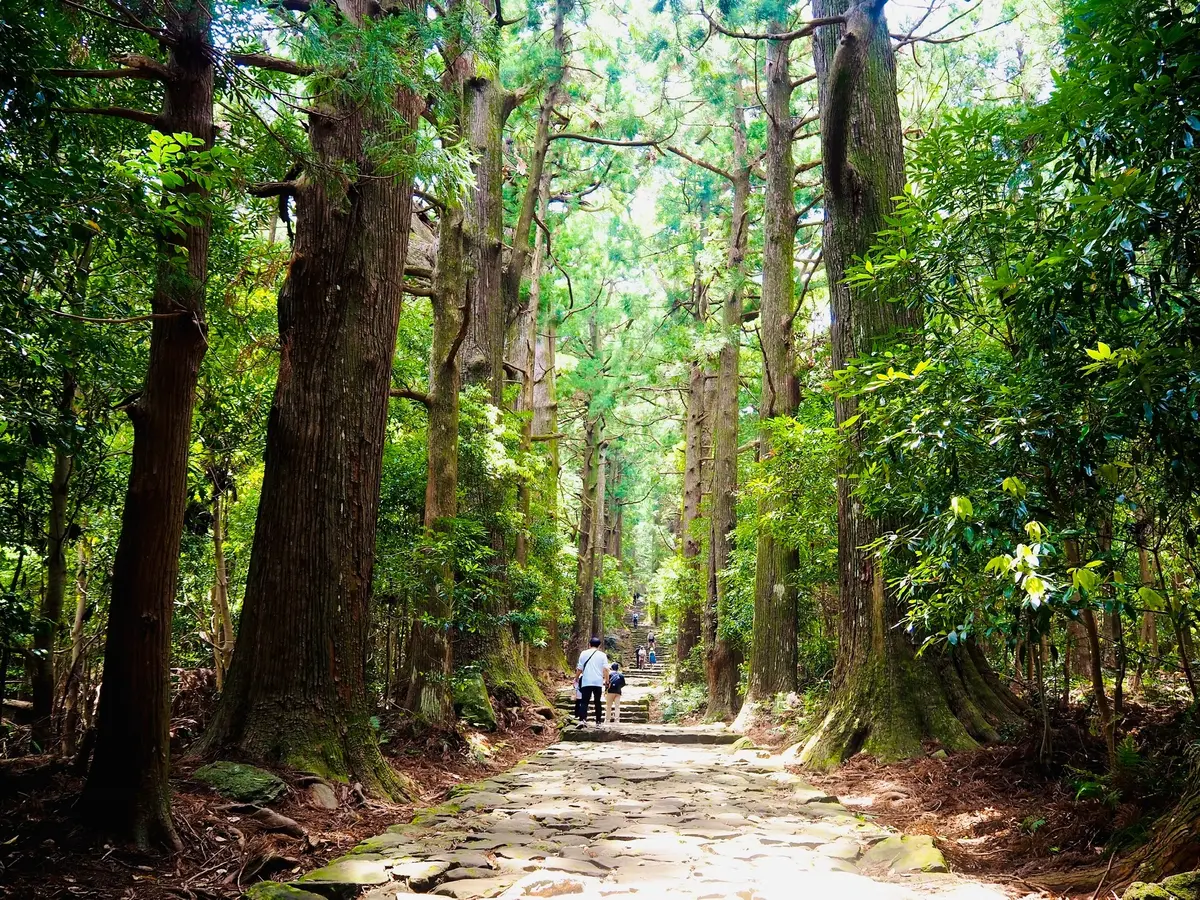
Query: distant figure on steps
x,y
635,617
653,658
641,657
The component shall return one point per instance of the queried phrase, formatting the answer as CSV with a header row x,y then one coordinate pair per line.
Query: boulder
x,y
322,795
471,702
238,781
901,854
1178,887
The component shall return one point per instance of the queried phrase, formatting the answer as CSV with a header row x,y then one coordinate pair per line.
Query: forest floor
x,y
44,853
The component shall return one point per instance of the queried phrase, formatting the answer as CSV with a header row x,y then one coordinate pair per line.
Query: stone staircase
x,y
640,637
633,711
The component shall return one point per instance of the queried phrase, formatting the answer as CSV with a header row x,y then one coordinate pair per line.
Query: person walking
x,y
641,656
650,648
612,700
591,674
635,620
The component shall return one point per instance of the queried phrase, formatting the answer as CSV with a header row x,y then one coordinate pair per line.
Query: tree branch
x,y
273,189
548,437
805,30
271,63
716,170
118,112
408,394
607,142
133,65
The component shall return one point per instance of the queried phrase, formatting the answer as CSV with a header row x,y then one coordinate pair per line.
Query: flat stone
x,y
474,888
273,890
575,866
421,875
470,872
906,853
481,800
346,876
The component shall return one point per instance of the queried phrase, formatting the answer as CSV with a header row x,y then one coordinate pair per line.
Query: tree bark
x,y
222,619
296,693
585,579
430,649
72,687
773,644
599,515
886,700
688,635
722,657
127,793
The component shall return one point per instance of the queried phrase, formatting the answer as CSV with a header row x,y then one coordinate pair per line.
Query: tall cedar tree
x,y
296,692
721,656
885,700
773,643
127,791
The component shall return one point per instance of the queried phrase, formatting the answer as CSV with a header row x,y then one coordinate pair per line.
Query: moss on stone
x,y
273,890
241,782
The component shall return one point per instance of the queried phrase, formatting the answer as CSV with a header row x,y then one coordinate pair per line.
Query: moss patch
x,y
238,781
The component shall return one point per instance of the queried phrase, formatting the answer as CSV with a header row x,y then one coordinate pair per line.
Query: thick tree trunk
x,y
721,656
773,645
585,579
296,693
430,649
127,793
487,107
886,700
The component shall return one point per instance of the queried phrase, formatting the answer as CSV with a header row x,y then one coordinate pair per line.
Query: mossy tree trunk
x,y
430,657
127,793
695,427
721,656
599,517
585,578
886,700
773,643
296,693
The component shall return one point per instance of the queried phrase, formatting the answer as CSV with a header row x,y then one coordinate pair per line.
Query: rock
x,y
391,892
273,890
345,877
322,796
481,800
743,743
474,888
1178,887
238,781
899,854
421,876
273,821
938,754
471,702
545,885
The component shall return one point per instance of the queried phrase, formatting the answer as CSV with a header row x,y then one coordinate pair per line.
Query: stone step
x,y
651,734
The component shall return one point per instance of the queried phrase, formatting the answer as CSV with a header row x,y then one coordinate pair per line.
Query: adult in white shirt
x,y
592,675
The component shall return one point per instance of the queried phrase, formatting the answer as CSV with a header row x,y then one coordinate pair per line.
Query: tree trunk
x,y
49,621
487,107
886,700
773,645
688,636
296,693
127,793
430,658
222,624
73,687
721,657
599,514
585,579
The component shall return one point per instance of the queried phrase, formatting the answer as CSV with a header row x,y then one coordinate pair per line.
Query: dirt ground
x,y
45,854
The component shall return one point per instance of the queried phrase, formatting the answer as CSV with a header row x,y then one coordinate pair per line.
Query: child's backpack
x,y
616,682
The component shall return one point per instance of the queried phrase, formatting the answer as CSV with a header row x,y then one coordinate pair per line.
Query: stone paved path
x,y
640,820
